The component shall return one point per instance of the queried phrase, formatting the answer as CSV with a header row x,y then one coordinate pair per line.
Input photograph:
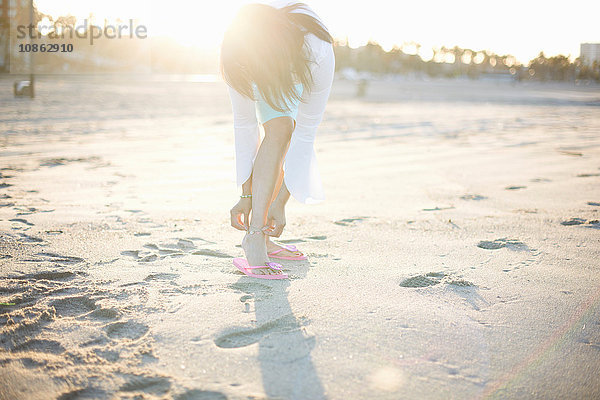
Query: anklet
x,y
246,196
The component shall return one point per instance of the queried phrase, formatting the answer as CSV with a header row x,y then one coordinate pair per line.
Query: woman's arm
x,y
247,136
247,187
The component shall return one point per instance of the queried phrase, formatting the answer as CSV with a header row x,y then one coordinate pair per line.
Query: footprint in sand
x,y
197,394
161,276
593,223
109,355
460,283
21,221
55,162
436,208
434,278
587,175
55,258
73,306
24,323
429,279
28,211
350,221
25,298
180,248
241,337
131,253
145,257
51,275
126,330
170,252
476,197
89,392
571,153
181,244
145,383
593,203
510,244
29,239
574,221
540,180
25,291
515,187
318,237
41,346
105,314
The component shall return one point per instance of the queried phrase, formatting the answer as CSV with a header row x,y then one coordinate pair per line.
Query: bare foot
x,y
271,247
255,248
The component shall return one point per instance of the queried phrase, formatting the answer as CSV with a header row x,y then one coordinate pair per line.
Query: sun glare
x,y
467,23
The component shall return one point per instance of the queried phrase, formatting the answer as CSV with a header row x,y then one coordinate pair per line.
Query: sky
x,y
521,28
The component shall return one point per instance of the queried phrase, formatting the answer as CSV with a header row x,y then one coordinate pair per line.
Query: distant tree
x,y
372,58
557,68
586,71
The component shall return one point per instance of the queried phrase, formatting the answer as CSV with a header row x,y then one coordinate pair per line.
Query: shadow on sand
x,y
284,350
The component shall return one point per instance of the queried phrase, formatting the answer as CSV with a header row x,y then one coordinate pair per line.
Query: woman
x,y
278,62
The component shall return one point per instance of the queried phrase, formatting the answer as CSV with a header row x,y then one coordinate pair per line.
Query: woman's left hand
x,y
242,208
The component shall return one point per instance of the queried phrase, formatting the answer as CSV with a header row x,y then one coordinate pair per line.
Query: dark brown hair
x,y
265,46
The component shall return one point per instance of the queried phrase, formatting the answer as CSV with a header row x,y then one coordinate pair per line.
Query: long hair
x,y
265,46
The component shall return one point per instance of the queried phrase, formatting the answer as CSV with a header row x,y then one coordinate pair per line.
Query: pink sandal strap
x,y
272,265
288,247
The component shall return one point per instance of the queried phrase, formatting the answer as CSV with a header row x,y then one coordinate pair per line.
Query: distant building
x,y
589,52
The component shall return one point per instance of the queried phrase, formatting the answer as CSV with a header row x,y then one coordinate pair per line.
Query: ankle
x,y
252,234
254,229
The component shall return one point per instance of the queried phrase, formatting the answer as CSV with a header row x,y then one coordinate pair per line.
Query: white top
x,y
301,174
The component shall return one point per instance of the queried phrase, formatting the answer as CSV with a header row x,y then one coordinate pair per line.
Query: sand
x,y
456,255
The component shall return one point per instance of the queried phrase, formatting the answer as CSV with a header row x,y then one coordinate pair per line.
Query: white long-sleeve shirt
x,y
301,174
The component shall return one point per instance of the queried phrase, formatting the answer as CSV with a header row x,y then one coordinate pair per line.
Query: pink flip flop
x,y
288,247
242,265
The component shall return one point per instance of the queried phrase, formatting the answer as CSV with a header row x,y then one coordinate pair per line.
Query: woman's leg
x,y
310,114
265,177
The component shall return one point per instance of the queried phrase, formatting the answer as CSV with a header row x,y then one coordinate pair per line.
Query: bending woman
x,y
278,62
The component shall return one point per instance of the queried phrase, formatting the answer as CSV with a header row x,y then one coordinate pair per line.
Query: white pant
x,y
301,174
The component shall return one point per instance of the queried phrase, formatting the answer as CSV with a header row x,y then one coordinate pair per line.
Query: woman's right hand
x,y
275,219
242,208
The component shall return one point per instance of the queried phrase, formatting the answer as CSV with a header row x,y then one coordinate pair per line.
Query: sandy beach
x,y
455,257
